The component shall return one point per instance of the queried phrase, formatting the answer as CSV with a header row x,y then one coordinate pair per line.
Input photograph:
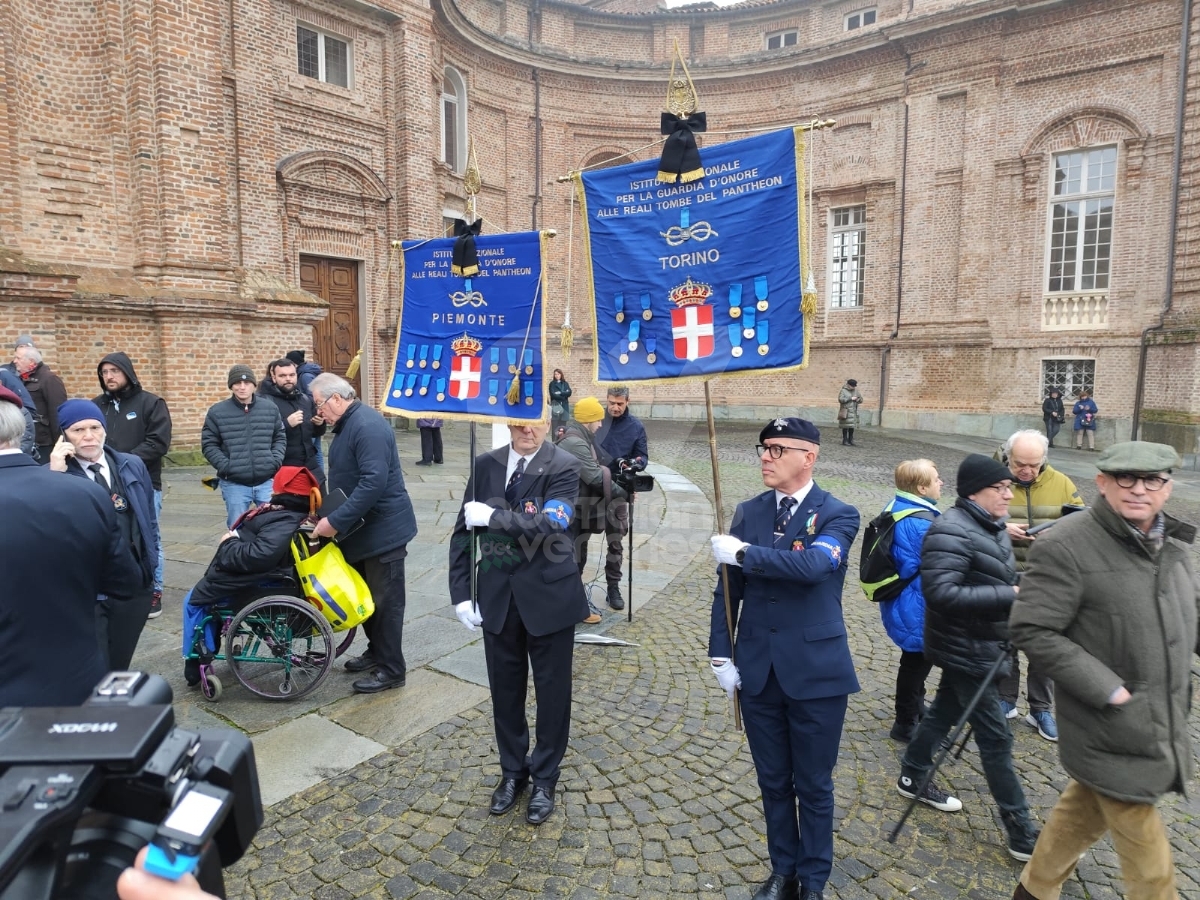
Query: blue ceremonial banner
x,y
704,278
462,341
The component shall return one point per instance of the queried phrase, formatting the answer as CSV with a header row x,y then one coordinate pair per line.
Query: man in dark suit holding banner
x,y
786,561
529,597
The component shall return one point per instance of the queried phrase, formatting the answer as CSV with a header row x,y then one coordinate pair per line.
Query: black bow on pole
x,y
465,261
680,157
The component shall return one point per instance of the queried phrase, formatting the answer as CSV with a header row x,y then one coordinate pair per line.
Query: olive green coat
x,y
848,400
1096,611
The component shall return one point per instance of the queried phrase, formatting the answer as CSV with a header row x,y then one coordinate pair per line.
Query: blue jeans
x,y
320,458
158,569
240,497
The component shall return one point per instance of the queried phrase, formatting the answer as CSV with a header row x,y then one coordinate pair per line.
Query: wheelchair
x,y
277,644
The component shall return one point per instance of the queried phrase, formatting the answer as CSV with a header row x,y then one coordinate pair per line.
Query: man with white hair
x,y
82,452
47,392
375,522
1039,494
60,548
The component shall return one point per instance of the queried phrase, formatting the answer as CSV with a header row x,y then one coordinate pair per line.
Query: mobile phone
x,y
1029,532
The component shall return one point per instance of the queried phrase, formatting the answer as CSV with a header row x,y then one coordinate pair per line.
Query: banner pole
x,y
716,474
474,538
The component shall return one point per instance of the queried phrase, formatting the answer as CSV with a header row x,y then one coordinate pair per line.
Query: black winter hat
x,y
241,372
296,356
977,472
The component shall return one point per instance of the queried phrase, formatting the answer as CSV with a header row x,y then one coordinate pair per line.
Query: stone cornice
x,y
452,17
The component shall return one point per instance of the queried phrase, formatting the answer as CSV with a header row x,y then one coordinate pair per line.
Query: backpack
x,y
877,572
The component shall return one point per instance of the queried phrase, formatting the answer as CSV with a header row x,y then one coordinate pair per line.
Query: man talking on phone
x,y
80,451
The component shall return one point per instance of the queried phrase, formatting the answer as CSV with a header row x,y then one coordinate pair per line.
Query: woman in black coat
x,y
560,409
1052,413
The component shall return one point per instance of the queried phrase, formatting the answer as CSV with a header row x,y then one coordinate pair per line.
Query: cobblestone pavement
x,y
658,796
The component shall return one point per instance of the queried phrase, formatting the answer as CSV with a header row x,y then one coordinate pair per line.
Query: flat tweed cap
x,y
1139,457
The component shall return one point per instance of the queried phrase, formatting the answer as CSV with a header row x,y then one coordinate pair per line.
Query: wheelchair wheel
x,y
211,688
346,641
279,648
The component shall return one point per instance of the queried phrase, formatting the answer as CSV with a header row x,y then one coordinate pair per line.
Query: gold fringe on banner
x,y
566,339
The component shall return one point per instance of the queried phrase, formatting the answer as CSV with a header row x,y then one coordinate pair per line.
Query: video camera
x,y
630,477
84,788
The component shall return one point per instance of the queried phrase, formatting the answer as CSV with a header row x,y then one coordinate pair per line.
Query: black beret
x,y
791,427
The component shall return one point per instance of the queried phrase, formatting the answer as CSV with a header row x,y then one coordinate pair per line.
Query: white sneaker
x,y
1010,710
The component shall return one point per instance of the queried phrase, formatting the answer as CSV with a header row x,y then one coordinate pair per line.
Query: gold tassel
x,y
355,364
514,392
691,176
667,177
808,304
566,339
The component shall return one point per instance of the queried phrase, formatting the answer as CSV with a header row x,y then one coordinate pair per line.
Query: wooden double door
x,y
337,338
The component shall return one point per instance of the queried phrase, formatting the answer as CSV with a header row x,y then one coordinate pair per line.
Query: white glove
x,y
477,514
728,675
725,548
468,615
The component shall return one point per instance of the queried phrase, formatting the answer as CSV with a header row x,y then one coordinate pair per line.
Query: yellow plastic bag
x,y
332,585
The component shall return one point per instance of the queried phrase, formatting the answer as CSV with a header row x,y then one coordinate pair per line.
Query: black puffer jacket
x,y
261,549
967,573
300,450
135,420
244,443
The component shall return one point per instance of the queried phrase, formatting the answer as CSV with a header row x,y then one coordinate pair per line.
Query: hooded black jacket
x,y
300,450
967,573
135,420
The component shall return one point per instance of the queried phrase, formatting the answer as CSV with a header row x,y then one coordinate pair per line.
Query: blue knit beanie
x,y
77,411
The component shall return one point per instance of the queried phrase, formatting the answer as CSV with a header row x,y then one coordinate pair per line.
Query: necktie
x,y
514,483
783,516
98,474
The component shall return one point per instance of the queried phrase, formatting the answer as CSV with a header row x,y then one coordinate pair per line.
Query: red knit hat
x,y
296,480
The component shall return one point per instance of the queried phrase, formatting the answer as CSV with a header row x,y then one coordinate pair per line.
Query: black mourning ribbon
x,y
680,157
465,261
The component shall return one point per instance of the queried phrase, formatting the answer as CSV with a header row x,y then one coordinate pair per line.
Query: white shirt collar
x,y
7,450
102,462
798,496
513,457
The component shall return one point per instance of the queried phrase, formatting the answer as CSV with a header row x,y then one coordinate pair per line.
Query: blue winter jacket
x,y
904,617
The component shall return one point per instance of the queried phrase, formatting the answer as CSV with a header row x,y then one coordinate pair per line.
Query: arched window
x,y
454,119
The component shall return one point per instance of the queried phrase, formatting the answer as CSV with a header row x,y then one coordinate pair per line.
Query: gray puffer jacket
x,y
245,443
1099,610
967,573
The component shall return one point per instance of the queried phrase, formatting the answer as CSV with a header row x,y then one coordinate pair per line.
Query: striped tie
x,y
782,517
514,483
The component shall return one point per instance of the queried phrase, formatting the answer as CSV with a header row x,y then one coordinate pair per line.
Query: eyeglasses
x,y
999,488
1129,479
777,451
317,406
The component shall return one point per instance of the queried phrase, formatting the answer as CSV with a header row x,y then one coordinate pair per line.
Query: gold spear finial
x,y
682,99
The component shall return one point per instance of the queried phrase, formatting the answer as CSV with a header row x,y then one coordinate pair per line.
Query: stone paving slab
x,y
312,749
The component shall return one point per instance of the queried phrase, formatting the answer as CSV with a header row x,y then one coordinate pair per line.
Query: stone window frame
x,y
853,21
453,108
1088,159
1070,374
836,298
781,37
323,35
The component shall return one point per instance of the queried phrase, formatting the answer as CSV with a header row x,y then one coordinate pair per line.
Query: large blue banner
x,y
463,341
698,279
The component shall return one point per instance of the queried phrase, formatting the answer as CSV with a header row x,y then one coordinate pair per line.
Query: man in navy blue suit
x,y
786,559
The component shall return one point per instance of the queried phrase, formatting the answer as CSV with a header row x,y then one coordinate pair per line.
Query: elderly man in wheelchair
x,y
277,643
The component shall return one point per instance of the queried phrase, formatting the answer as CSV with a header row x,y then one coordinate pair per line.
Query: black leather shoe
x,y
377,681
425,462
778,887
810,894
615,600
504,797
361,663
541,804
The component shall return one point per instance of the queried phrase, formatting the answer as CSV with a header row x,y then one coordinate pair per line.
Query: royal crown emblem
x,y
466,346
690,293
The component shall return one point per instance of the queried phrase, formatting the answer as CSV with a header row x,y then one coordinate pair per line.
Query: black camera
x,y
630,477
84,788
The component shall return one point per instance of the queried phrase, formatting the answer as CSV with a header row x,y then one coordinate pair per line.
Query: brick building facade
x,y
216,181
